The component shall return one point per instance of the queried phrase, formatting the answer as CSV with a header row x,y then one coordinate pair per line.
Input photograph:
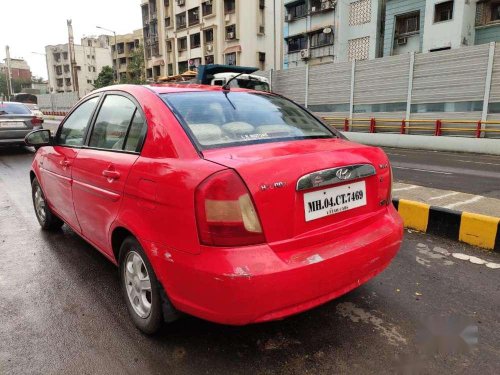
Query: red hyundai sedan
x,y
233,206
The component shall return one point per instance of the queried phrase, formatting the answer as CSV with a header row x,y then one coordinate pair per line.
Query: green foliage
x,y
105,77
135,67
17,85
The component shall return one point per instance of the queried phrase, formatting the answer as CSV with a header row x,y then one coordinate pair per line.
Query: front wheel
x,y
46,218
140,287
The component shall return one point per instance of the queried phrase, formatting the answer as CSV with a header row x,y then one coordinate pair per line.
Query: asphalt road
x,y
466,173
61,312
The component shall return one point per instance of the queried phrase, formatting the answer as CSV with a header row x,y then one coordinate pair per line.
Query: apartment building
x,y
436,25
319,31
19,69
91,56
122,52
182,34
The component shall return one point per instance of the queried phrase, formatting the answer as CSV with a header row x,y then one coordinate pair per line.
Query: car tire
x,y
140,287
47,219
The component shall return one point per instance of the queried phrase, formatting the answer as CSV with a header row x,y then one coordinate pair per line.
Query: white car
x,y
34,109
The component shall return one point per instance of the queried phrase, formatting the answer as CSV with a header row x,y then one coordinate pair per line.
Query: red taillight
x,y
225,213
36,121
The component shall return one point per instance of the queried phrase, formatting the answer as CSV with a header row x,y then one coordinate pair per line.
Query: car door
x,y
56,165
101,168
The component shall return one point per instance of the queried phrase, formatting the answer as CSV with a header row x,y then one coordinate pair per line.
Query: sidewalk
x,y
448,199
469,218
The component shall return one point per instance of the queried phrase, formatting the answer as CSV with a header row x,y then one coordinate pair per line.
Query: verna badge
x,y
343,174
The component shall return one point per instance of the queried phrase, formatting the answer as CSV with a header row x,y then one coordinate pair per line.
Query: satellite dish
x,y
327,30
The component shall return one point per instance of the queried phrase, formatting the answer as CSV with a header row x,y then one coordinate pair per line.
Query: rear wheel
x,y
140,287
46,218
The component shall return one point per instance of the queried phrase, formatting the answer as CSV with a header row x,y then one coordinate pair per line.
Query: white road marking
x,y
444,196
476,260
390,153
422,170
406,188
472,200
477,162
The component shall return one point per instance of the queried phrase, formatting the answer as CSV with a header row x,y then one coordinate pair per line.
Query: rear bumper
x,y
256,284
11,141
14,136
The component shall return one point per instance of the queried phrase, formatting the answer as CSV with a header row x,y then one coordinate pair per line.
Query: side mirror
x,y
38,138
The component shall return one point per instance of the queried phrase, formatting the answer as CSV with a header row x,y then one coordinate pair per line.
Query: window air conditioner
x,y
304,54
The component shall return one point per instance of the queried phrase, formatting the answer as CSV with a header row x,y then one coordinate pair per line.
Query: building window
x,y
180,20
297,10
207,8
209,59
149,73
59,82
209,35
443,11
167,22
65,55
319,39
156,70
231,32
358,49
495,11
194,16
229,6
262,57
297,43
408,24
67,81
66,68
230,58
58,70
360,12
169,46
182,44
195,40
170,69
183,66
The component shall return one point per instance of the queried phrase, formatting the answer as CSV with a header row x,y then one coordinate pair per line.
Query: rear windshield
x,y
13,109
218,119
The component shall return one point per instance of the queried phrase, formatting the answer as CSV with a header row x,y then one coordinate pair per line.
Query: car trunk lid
x,y
284,181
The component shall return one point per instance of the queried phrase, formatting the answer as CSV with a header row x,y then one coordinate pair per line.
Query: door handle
x,y
65,163
111,175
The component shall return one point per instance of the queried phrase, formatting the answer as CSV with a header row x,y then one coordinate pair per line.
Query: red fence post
x,y
478,129
438,128
346,124
372,125
403,126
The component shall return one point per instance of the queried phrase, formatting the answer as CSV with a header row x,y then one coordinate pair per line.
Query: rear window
x,y
218,119
13,109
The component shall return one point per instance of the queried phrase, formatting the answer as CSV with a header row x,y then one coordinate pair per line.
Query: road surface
x,y
61,311
466,173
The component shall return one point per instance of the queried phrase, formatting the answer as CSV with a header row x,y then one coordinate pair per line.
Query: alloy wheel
x,y
137,284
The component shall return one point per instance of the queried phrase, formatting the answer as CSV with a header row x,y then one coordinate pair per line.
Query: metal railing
x,y
471,128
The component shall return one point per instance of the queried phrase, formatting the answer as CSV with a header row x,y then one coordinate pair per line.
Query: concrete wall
x,y
452,33
399,7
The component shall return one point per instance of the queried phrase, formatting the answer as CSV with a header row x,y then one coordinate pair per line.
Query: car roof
x,y
167,88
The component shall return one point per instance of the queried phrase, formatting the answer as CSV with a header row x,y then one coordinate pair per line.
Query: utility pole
x,y
72,56
10,91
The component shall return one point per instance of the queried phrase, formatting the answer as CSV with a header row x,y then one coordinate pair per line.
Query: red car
x,y
234,206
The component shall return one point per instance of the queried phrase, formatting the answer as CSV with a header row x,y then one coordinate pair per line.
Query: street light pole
x,y
115,65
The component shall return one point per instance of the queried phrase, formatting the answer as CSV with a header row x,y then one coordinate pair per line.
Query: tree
x,y
135,67
105,77
17,85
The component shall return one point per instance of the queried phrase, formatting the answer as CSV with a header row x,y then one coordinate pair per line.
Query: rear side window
x,y
136,134
73,130
14,109
112,123
218,119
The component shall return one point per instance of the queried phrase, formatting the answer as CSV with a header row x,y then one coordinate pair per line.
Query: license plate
x,y
12,124
321,203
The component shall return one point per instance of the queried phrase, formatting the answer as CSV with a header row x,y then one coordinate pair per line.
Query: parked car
x,y
231,205
34,109
16,121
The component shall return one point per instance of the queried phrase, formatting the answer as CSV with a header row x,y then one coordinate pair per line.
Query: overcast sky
x,y
29,25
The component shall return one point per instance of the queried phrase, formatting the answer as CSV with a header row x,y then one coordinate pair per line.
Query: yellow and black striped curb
x,y
474,229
